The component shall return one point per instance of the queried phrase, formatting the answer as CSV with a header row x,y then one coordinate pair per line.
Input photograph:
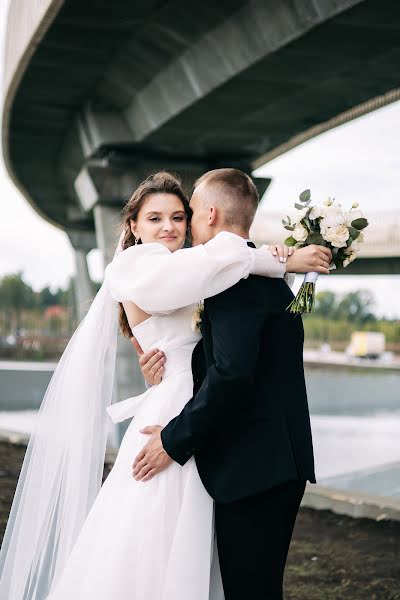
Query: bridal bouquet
x,y
327,225
197,318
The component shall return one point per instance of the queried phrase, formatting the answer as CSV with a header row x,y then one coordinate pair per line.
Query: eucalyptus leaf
x,y
290,241
289,227
305,196
359,223
338,262
299,206
354,233
315,238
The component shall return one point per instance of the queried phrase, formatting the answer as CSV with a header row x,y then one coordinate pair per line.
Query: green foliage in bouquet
x,y
328,225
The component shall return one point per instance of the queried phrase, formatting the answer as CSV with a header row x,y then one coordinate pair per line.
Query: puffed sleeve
x,y
160,281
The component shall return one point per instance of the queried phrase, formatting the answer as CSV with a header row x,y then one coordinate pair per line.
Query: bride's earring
x,y
136,241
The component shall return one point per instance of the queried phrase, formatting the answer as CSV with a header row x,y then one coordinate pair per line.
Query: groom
x,y
247,423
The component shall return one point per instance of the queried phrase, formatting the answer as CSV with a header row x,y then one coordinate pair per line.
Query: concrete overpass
x,y
99,94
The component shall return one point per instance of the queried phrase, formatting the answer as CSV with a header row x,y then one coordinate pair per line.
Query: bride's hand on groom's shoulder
x,y
281,251
312,258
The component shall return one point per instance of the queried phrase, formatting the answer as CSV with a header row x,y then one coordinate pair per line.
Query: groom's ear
x,y
212,216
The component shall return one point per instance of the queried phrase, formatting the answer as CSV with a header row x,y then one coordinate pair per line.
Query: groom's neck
x,y
237,230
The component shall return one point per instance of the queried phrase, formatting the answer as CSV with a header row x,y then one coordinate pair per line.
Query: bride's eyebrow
x,y
156,212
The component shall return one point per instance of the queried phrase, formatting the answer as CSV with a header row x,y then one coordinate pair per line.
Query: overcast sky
x,y
359,161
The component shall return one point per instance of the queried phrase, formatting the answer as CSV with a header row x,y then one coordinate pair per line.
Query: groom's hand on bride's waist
x,y
151,363
152,459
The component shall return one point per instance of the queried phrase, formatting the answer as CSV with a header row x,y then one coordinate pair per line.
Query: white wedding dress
x,y
149,540
154,540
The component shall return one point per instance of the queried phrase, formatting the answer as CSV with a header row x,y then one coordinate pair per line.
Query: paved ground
x,y
331,557
383,480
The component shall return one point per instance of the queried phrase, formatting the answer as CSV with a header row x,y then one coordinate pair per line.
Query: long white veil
x,y
62,470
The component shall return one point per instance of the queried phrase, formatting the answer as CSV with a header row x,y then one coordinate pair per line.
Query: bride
x,y
68,538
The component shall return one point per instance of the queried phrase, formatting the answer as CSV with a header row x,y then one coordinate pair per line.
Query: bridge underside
x,y
187,85
373,266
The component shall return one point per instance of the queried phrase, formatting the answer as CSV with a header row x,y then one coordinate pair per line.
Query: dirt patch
x,y
331,557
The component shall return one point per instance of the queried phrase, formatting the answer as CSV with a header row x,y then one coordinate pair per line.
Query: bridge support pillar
x,y
107,220
82,242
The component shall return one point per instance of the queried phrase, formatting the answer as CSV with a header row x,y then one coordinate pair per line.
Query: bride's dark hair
x,y
157,183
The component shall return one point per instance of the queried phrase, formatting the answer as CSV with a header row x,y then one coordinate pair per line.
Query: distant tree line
x,y
354,306
336,316
18,297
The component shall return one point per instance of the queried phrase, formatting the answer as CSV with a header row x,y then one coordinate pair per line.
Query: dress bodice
x,y
172,334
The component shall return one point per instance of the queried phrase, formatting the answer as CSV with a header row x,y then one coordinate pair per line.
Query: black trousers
x,y
253,538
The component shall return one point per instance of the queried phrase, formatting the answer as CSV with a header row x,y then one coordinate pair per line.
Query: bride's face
x,y
162,219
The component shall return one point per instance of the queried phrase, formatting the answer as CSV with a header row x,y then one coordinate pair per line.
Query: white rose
x,y
316,212
352,215
328,202
348,218
332,219
337,236
353,256
354,247
354,205
334,210
350,259
300,233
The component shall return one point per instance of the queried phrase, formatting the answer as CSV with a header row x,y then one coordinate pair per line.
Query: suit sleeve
x,y
160,281
236,323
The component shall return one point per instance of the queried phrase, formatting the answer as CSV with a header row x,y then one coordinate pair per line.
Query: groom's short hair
x,y
235,192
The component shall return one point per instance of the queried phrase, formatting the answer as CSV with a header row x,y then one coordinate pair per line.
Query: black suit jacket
x,y
248,422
